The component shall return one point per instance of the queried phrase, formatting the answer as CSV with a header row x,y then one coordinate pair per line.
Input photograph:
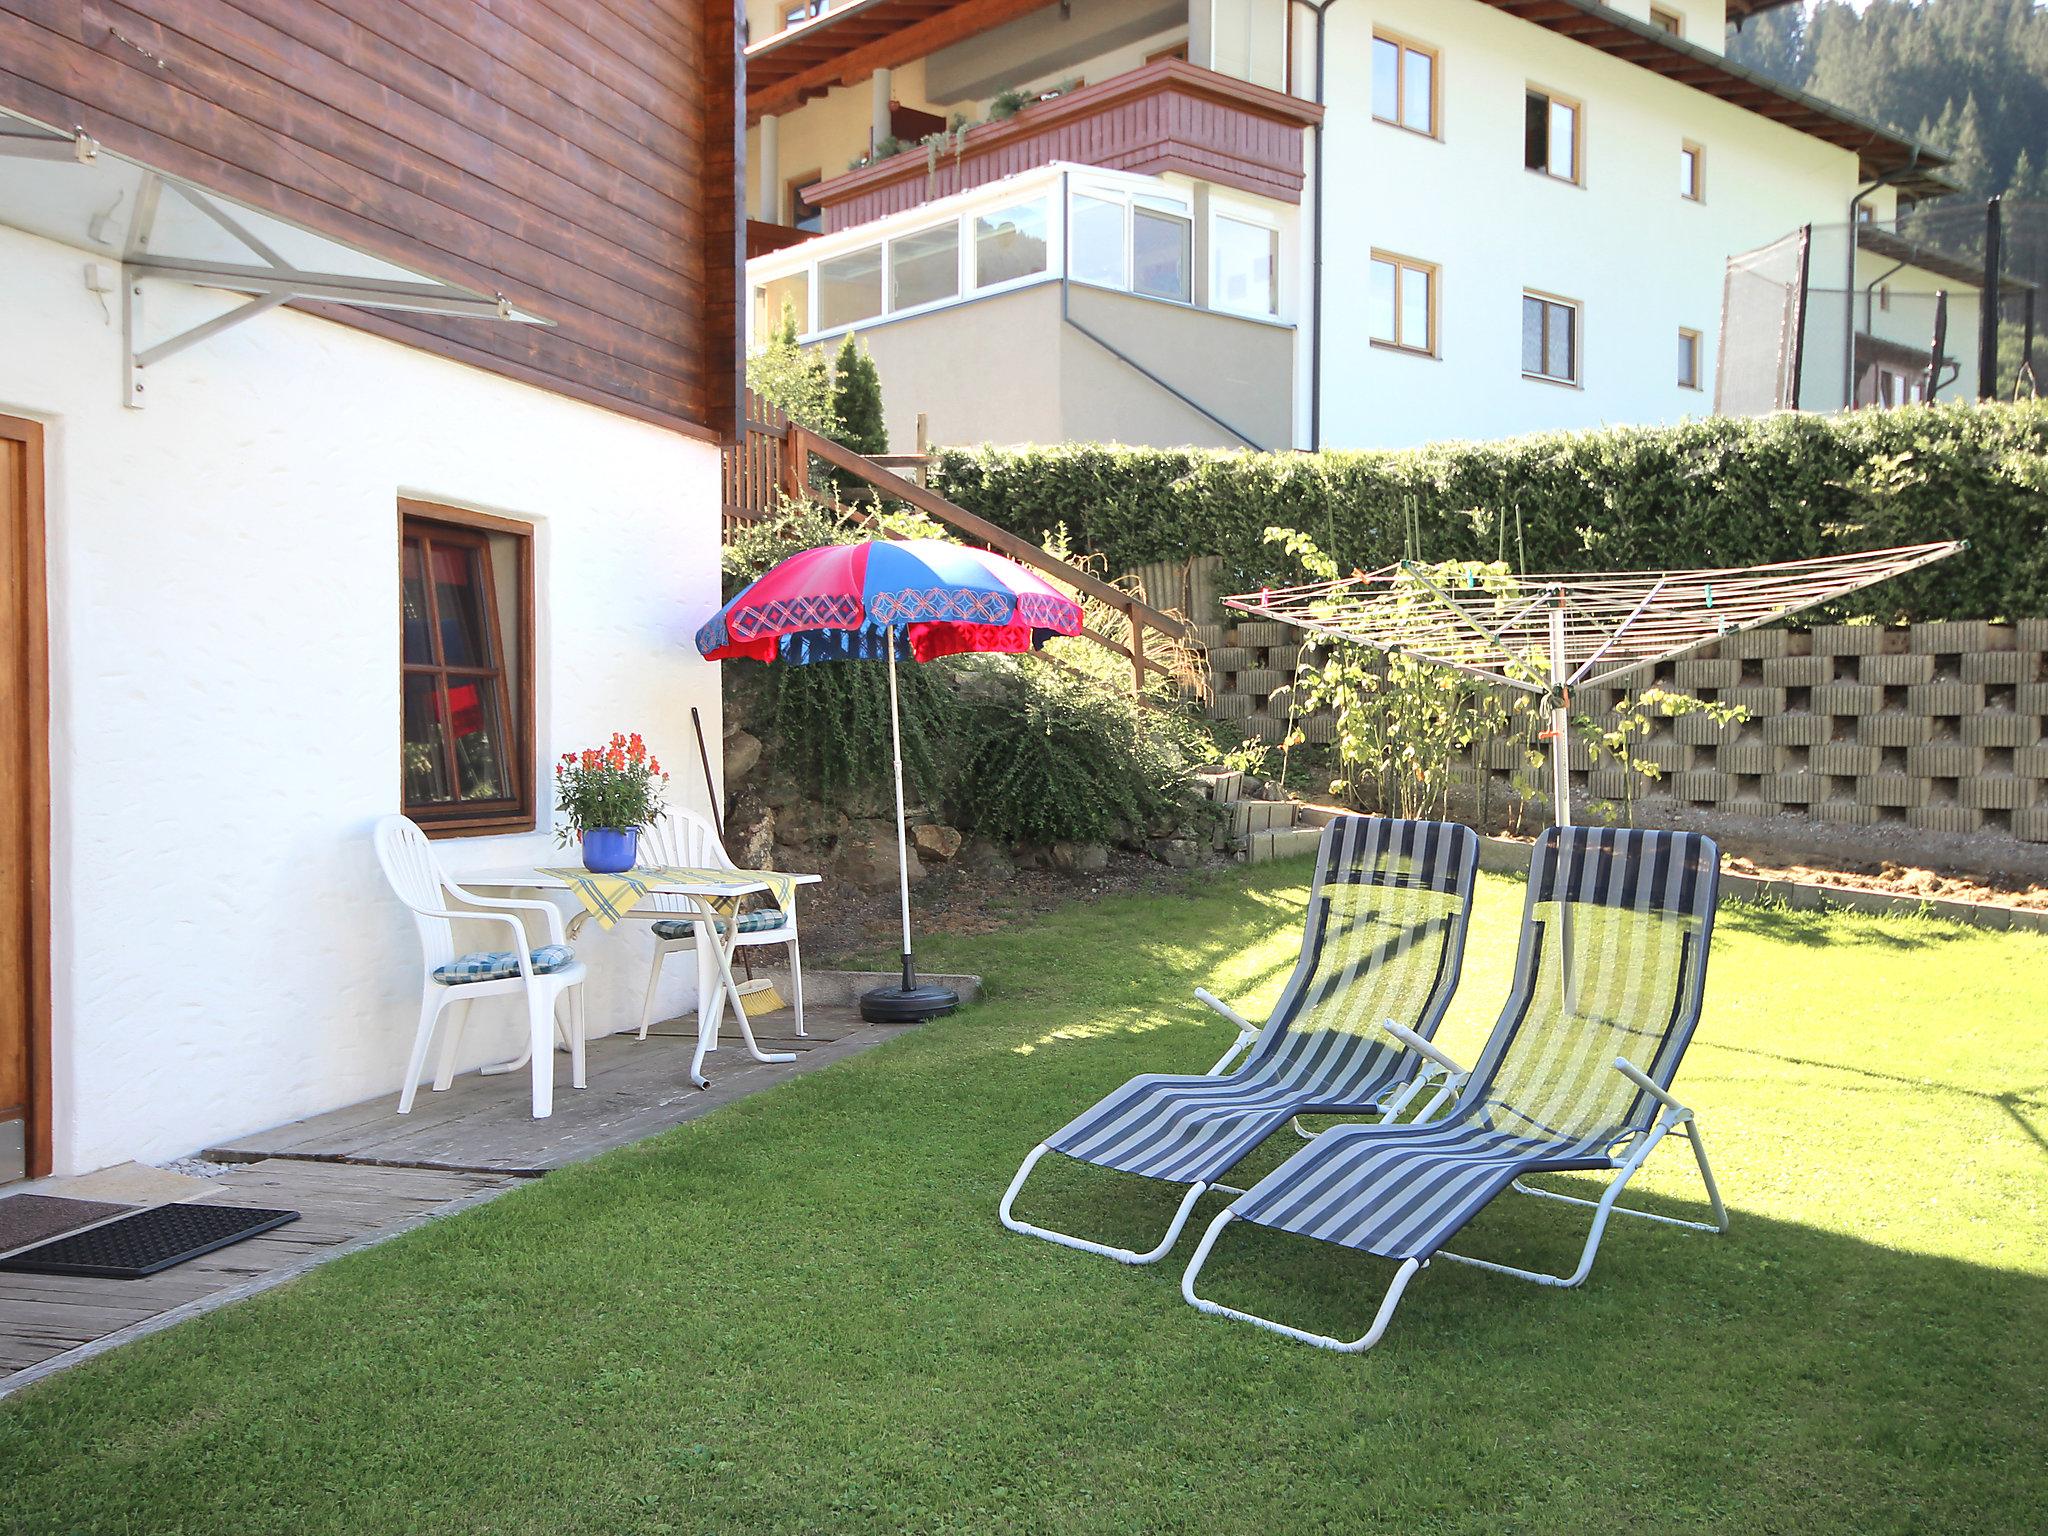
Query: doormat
x,y
26,1219
146,1242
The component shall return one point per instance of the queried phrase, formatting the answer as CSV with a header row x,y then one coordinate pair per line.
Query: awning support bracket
x,y
276,282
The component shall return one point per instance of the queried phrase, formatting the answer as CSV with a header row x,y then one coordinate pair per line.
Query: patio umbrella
x,y
880,599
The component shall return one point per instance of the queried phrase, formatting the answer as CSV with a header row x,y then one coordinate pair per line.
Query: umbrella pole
x,y
910,1003
902,834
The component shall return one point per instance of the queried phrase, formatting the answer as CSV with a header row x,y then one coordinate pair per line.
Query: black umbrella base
x,y
907,1005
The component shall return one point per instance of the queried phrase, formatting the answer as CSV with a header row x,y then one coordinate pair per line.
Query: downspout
x,y
1315,288
1067,319
1898,173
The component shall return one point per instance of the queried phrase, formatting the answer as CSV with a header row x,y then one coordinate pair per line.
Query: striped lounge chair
x,y
1575,1078
1385,934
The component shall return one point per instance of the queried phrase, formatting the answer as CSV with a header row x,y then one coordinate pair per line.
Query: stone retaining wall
x,y
1935,727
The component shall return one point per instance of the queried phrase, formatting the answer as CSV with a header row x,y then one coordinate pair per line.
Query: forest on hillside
x,y
1967,77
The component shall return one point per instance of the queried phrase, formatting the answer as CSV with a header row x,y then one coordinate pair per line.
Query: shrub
x,y
1042,756
1718,492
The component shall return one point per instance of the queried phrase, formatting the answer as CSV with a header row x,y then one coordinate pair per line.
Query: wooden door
x,y
24,809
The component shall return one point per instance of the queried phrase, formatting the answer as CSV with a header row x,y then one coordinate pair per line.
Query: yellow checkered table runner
x,y
610,897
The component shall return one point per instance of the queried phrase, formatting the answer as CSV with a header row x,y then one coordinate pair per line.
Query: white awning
x,y
68,188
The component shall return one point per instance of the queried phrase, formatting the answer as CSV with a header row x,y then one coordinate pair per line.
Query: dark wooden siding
x,y
577,155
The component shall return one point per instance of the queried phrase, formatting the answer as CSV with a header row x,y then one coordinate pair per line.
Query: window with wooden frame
x,y
1403,297
1688,358
1667,20
803,215
1404,84
1550,338
1692,172
1553,135
466,670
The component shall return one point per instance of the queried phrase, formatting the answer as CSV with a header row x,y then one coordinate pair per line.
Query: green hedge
x,y
1719,492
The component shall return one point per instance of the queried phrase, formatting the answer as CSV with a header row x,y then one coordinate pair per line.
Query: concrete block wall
x,y
1937,727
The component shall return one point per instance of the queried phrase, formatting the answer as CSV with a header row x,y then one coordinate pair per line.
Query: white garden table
x,y
698,899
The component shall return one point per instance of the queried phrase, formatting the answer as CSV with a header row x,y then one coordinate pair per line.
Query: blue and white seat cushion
x,y
750,922
497,964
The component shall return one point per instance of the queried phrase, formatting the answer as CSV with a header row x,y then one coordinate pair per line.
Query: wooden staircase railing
x,y
772,461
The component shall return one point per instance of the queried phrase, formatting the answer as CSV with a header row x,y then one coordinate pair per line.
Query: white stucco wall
x,y
224,636
1642,260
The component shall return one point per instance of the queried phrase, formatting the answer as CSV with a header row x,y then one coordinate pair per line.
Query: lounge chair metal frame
x,y
1640,1143
1676,1117
1388,1104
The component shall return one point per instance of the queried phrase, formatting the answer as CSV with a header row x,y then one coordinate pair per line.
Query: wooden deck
x,y
637,1089
48,1322
363,1174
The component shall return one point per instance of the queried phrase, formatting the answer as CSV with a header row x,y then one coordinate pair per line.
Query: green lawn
x,y
800,1314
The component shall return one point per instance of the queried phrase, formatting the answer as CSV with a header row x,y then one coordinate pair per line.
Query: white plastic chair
x,y
687,840
416,875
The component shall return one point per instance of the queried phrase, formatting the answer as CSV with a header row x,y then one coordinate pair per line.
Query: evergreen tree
x,y
857,399
794,377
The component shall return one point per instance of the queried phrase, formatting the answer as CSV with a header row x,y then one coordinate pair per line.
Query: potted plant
x,y
606,795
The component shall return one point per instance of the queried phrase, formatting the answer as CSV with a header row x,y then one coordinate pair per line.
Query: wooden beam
x,y
783,93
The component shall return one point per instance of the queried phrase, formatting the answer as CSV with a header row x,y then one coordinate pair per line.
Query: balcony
x,y
1167,118
1059,303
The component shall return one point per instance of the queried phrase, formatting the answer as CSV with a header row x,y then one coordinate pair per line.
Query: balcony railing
x,y
1169,116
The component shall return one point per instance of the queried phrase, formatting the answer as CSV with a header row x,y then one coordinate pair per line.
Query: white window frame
x,y
1132,198
1257,218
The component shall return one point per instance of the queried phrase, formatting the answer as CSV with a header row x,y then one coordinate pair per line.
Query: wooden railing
x,y
773,460
764,466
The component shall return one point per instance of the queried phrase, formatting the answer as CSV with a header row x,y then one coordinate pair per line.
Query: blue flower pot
x,y
610,850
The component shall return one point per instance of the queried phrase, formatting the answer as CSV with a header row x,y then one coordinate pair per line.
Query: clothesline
x,y
1502,627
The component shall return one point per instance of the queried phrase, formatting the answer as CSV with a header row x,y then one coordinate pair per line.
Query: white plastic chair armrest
x,y
520,947
1244,1025
1644,1081
1422,1047
547,909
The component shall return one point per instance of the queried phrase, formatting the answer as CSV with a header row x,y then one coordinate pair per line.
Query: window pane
x,y
472,720
1162,255
1532,335
1420,90
803,215
1098,240
412,603
1247,267
1415,308
1558,360
1381,301
1564,141
1688,173
1688,359
850,288
925,267
1386,79
1009,244
791,294
1536,133
459,596
426,762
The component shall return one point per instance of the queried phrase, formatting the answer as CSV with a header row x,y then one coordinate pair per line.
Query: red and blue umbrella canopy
x,y
850,602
